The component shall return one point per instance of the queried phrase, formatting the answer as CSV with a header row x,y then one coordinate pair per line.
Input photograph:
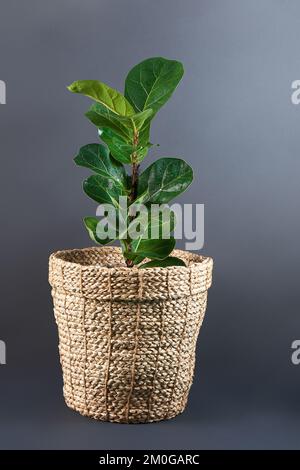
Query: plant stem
x,y
133,190
134,182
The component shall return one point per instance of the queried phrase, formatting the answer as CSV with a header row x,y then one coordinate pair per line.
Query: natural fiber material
x,y
127,337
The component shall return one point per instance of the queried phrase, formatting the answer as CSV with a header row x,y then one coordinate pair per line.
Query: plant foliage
x,y
123,123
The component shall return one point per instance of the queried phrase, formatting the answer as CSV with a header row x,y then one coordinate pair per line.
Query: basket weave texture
x,y
127,337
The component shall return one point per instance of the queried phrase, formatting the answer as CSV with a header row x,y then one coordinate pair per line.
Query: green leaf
x,y
124,126
163,223
165,179
170,261
151,83
103,190
154,249
108,97
158,225
120,149
103,117
139,119
91,226
96,157
144,133
138,260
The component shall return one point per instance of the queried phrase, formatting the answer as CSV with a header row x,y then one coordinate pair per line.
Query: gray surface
x,y
233,120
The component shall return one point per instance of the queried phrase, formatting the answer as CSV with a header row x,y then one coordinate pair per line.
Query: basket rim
x,y
203,262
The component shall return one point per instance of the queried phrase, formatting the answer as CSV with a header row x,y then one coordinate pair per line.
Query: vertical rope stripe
x,y
109,348
69,335
85,346
138,313
192,353
85,357
179,358
156,360
138,319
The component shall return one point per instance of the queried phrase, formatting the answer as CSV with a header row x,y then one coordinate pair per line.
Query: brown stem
x,y
133,192
134,182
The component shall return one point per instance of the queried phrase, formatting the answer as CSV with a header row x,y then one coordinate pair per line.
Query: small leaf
x,y
144,133
151,83
120,149
97,158
91,226
170,261
124,126
139,119
102,190
165,179
159,225
103,117
102,93
154,249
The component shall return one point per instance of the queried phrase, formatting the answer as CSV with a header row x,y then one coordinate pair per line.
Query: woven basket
x,y
127,337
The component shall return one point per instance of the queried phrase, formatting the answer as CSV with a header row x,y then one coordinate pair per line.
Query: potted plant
x,y
128,318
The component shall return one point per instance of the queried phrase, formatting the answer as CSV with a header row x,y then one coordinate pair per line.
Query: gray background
x,y
233,120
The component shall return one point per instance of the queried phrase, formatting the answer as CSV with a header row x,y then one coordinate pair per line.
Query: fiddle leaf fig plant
x,y
123,123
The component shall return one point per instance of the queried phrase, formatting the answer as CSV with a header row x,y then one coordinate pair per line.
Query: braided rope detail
x,y
127,337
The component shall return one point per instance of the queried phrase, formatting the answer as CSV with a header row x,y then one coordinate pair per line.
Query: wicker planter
x,y
127,337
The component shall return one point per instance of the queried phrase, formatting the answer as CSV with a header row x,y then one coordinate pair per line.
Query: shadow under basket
x,y
127,337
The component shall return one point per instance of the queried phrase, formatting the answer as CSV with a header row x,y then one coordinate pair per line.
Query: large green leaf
x,y
159,225
109,97
103,190
124,126
91,226
165,179
120,149
163,263
97,158
151,83
103,117
154,249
